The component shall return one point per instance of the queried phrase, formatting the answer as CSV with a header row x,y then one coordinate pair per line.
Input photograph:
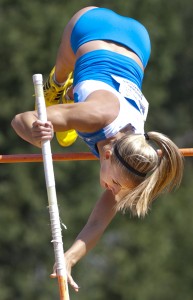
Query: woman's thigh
x,y
66,58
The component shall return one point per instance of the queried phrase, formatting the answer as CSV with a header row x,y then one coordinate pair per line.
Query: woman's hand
x,y
99,219
42,131
70,280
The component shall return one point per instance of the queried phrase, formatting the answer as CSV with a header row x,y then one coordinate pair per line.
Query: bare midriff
x,y
107,45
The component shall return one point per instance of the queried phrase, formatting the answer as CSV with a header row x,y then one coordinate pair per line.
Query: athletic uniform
x,y
111,71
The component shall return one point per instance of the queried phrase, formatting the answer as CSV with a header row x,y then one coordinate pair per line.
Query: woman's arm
x,y
96,112
98,221
101,216
61,117
29,128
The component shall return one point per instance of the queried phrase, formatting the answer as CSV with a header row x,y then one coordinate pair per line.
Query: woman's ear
x,y
108,154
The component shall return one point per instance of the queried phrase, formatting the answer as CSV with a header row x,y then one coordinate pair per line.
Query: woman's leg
x,y
60,80
65,60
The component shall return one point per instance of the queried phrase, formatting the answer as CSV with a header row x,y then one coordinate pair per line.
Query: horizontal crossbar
x,y
24,158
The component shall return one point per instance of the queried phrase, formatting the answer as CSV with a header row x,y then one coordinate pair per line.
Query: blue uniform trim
x,y
91,139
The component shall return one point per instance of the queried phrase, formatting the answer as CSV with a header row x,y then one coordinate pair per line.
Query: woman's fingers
x,y
73,284
42,130
71,281
53,275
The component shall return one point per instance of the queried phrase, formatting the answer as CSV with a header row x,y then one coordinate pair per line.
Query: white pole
x,y
51,192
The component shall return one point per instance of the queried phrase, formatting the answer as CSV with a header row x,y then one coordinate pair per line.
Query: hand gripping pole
x,y
51,192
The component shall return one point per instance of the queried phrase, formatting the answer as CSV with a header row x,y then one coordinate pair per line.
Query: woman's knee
x,y
65,46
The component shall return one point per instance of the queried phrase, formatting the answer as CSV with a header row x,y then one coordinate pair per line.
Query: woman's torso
x,y
131,53
106,45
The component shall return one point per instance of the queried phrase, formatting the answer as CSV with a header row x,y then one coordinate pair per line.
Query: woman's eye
x,y
114,182
117,183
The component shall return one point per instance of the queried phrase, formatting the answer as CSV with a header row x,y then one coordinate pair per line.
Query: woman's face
x,y
112,177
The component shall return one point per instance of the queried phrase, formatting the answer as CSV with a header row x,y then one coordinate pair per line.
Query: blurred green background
x,y
136,259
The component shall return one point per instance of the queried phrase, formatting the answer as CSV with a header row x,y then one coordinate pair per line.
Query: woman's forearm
x,y
98,221
32,130
85,241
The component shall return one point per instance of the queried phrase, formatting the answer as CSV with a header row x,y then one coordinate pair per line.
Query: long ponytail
x,y
164,169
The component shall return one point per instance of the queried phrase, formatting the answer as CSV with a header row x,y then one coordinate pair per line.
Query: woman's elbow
x,y
16,121
19,124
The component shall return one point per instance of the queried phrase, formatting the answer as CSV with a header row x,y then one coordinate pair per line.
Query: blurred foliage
x,y
135,259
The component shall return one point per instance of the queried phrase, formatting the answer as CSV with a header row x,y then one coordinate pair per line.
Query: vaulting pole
x,y
51,192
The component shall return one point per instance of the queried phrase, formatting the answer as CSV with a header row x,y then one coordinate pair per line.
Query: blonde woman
x,y
108,54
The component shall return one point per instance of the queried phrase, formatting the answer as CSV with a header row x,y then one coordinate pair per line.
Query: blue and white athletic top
x,y
133,109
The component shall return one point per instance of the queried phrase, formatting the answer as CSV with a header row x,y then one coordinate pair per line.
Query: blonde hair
x,y
161,171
